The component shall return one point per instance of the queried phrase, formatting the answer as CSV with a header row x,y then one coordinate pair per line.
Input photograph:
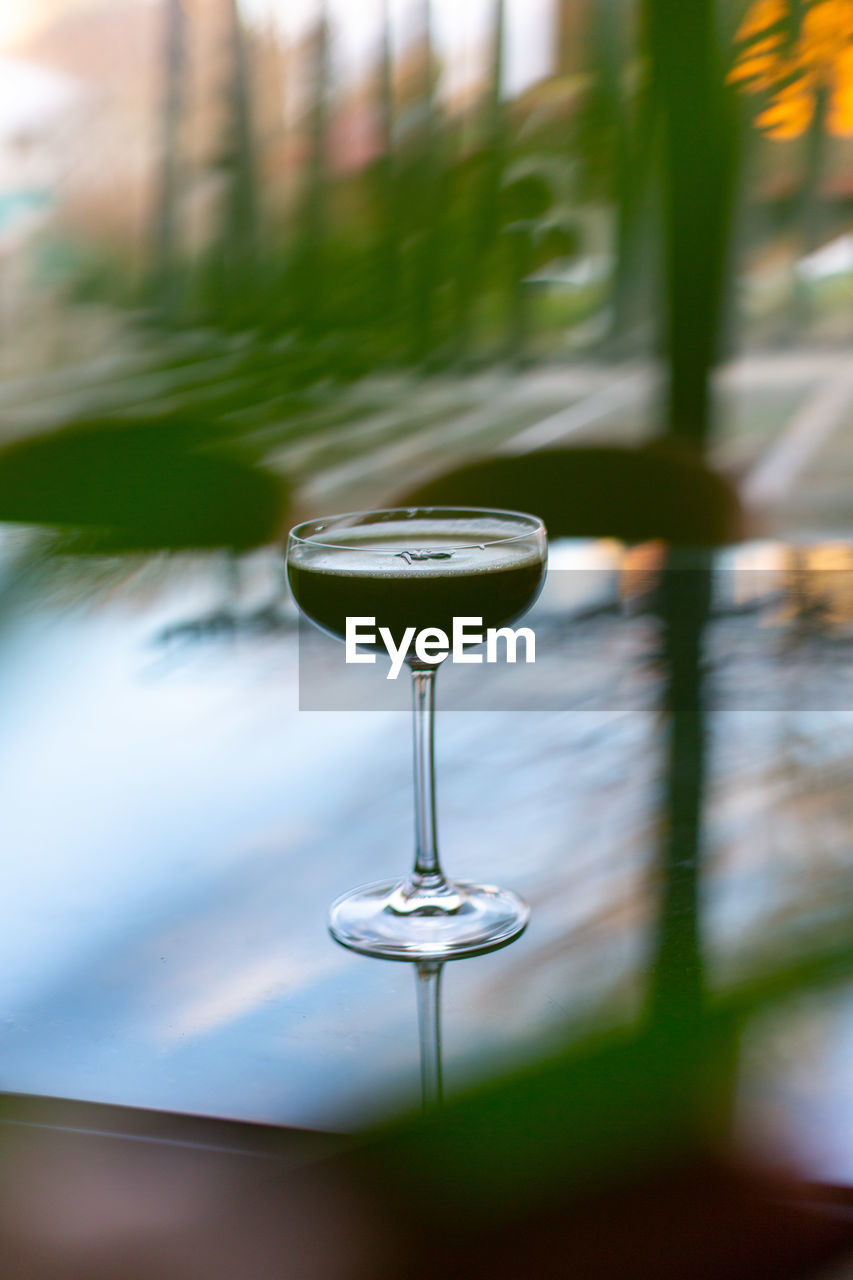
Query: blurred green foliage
x,y
392,262
114,486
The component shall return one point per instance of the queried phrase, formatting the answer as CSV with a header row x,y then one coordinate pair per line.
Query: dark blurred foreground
x,y
516,1179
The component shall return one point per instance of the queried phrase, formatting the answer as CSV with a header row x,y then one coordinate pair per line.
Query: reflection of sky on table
x,y
175,830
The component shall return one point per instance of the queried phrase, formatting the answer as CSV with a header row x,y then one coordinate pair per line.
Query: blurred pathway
x,y
809,429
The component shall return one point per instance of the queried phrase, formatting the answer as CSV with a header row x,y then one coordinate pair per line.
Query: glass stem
x,y
427,866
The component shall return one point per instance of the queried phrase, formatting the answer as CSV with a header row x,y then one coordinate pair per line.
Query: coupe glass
x,y
420,567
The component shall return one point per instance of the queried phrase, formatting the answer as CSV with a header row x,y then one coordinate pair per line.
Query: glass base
x,y
400,922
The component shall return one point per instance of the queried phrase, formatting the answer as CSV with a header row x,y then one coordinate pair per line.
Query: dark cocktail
x,y
414,573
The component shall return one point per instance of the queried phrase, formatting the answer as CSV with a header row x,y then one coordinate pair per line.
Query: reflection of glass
x,y
428,988
428,979
420,568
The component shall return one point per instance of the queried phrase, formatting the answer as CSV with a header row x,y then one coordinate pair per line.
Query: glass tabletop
x,y
176,827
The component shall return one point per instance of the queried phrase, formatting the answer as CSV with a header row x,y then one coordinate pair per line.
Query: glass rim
x,y
295,533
